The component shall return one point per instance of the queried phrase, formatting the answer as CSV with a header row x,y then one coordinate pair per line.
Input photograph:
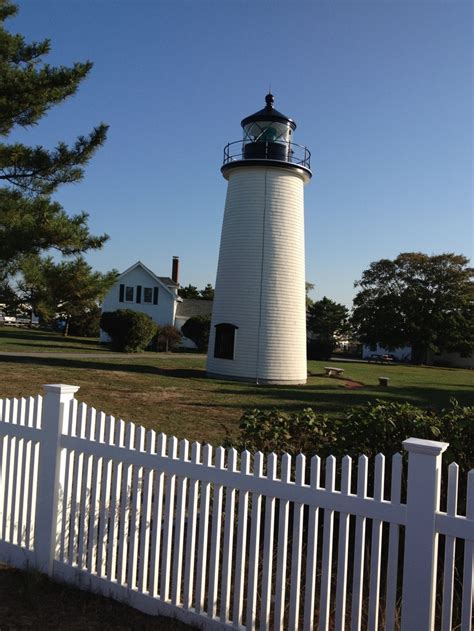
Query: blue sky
x,y
381,92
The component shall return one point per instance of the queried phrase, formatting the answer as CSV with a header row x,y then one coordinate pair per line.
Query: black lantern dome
x,y
267,137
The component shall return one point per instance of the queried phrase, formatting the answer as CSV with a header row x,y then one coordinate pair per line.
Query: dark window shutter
x,y
155,295
121,292
139,293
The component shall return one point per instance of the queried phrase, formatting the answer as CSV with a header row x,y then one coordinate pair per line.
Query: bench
x,y
384,381
333,372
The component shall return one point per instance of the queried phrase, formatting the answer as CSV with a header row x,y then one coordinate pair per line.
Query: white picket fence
x,y
232,541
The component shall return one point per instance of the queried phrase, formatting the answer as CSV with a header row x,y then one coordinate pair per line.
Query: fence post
x,y
55,406
419,567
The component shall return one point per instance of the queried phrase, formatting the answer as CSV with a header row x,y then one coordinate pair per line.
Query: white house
x,y
139,289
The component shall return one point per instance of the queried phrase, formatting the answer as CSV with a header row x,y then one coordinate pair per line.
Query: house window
x,y
129,292
225,341
147,294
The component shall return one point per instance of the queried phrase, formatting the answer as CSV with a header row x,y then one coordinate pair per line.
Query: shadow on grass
x,y
84,364
18,335
226,394
321,398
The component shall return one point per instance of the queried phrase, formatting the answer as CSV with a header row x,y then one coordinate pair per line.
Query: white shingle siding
x,y
260,285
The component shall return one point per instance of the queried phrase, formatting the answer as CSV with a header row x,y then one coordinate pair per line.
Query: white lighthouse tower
x,y
258,328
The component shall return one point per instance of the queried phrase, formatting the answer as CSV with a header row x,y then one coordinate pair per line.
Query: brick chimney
x,y
175,269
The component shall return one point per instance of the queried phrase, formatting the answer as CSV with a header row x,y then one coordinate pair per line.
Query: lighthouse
x,y
258,327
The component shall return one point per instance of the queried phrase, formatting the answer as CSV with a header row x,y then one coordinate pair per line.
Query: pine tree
x,y
63,290
30,222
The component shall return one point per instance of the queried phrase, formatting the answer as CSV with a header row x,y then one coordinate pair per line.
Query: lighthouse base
x,y
258,381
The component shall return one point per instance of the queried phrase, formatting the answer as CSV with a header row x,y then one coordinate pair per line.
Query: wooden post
x,y
55,408
421,538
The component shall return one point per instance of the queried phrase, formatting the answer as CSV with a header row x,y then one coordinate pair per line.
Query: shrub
x,y
167,338
273,430
130,331
377,427
197,329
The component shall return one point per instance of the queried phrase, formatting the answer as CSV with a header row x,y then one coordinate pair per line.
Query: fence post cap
x,y
422,446
60,388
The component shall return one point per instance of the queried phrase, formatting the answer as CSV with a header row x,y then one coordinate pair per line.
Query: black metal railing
x,y
261,150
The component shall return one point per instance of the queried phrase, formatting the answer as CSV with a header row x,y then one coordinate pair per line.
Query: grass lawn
x,y
35,341
170,392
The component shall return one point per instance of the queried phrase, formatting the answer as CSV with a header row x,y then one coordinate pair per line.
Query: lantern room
x,y
267,136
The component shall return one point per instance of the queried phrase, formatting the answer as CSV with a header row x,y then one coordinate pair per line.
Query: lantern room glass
x,y
267,131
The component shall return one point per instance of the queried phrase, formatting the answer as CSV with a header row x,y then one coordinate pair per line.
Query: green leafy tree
x,y
197,329
30,222
417,300
65,290
326,319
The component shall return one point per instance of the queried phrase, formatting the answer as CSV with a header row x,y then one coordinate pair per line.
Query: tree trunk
x,y
66,328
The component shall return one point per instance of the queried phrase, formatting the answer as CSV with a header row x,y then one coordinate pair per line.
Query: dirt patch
x,y
29,600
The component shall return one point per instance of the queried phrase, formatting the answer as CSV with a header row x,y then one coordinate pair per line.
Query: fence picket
x,y
85,506
203,534
359,549
376,546
124,508
468,573
343,549
96,480
135,505
324,602
268,536
311,556
115,485
449,550
168,524
228,548
215,537
282,551
108,433
251,615
297,548
157,515
191,531
179,526
241,547
393,545
145,525
75,487
16,483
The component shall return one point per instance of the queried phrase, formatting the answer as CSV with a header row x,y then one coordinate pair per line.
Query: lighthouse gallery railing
x,y
295,154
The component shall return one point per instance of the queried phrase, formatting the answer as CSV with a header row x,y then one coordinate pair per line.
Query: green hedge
x,y
130,331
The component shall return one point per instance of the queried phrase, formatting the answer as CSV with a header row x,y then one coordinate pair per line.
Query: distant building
x,y
140,289
454,360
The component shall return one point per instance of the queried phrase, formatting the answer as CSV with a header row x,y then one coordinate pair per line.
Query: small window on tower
x,y
225,341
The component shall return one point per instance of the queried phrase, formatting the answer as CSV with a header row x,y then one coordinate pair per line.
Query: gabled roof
x,y
164,281
190,307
